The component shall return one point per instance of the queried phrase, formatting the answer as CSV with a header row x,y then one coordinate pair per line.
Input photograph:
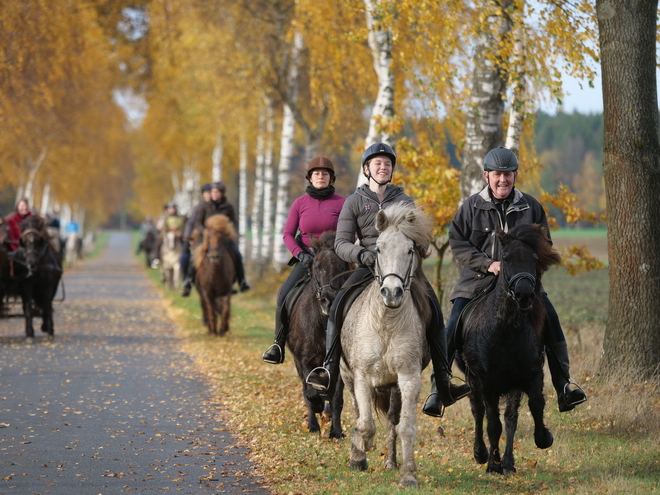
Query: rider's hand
x,y
367,258
305,258
495,267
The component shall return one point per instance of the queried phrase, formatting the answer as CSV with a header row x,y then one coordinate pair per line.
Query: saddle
x,y
465,316
348,296
292,297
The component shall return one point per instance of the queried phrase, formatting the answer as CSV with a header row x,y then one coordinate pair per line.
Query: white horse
x,y
170,253
71,249
384,340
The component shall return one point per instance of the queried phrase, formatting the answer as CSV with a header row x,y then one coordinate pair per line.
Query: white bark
x,y
45,200
242,196
216,158
258,195
34,167
380,42
517,75
280,253
483,130
267,231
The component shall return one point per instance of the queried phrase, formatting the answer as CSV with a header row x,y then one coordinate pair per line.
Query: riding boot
x,y
240,268
569,393
324,379
275,353
443,392
188,281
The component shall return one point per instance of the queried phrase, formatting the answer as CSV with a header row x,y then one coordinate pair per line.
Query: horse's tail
x,y
382,399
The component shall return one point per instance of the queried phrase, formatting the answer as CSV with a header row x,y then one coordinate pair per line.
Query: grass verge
x,y
607,445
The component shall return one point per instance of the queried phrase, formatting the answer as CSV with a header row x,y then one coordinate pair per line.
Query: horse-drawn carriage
x,y
30,274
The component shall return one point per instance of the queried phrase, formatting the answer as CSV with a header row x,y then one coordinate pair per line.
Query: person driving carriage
x,y
310,215
217,205
21,212
358,218
472,240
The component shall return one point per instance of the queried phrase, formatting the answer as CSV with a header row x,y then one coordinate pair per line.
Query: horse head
x,y
402,244
218,230
34,240
325,269
526,253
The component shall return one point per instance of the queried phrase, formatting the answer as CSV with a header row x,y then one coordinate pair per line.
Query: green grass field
x,y
607,445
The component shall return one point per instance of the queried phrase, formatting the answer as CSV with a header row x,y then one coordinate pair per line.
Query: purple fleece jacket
x,y
311,217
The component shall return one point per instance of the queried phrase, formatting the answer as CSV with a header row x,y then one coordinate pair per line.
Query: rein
x,y
512,283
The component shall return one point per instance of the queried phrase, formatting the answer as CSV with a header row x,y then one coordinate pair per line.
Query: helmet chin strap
x,y
379,183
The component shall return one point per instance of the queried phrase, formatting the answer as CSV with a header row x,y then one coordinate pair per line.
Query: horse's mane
x,y
536,237
411,222
219,223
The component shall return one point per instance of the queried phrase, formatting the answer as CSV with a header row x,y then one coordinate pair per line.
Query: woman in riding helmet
x,y
358,218
310,215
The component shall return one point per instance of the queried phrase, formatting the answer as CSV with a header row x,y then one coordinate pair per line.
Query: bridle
x,y
512,282
218,250
405,281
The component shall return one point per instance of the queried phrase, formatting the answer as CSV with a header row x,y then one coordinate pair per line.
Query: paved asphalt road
x,y
110,405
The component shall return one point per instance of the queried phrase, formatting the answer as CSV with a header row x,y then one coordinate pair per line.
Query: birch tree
x,y
268,227
243,196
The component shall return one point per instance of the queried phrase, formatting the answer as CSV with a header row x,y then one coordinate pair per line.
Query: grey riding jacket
x,y
358,217
472,236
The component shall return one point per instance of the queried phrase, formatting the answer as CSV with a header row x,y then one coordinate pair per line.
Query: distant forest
x,y
569,146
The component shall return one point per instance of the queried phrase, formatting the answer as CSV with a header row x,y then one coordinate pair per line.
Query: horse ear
x,y
502,236
411,217
381,221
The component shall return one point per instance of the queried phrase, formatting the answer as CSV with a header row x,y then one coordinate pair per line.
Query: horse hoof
x,y
545,441
481,456
362,465
494,468
338,436
51,337
510,470
409,482
29,340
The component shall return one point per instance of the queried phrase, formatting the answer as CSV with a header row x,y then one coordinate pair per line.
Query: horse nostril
x,y
398,292
384,292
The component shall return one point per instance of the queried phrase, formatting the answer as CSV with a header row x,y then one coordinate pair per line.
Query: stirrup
x,y
568,390
316,372
463,382
272,361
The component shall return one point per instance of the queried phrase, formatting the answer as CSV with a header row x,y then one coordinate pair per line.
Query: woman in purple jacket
x,y
310,215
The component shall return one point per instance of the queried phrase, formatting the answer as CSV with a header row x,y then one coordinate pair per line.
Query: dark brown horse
x,y
502,351
306,337
215,273
38,270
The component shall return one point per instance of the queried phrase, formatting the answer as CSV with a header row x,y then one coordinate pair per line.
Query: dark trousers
x,y
232,247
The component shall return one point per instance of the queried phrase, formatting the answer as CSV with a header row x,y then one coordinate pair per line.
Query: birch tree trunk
x,y
242,196
280,253
483,130
34,167
258,196
268,226
517,111
45,199
380,43
631,162
216,159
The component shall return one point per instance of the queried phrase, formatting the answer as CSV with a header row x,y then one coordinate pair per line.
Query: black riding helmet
x,y
378,149
206,187
500,160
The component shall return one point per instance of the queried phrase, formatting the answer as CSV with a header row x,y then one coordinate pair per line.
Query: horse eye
x,y
377,249
535,257
505,257
411,250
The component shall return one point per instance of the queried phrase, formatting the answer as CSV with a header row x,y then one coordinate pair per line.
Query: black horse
x,y
306,337
38,270
502,353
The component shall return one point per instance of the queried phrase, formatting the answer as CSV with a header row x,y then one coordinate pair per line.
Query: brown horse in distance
x,y
215,273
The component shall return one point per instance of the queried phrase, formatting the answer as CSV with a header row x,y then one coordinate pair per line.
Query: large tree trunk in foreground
x,y
632,180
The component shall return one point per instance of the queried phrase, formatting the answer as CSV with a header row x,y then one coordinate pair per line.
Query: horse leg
x,y
478,412
494,430
511,424
393,419
542,436
209,313
336,406
361,442
410,386
26,297
225,308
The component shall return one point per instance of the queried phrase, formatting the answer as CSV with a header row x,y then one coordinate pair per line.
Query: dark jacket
x,y
358,216
211,208
472,236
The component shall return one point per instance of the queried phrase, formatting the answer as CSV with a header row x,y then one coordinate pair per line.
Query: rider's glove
x,y
367,257
305,258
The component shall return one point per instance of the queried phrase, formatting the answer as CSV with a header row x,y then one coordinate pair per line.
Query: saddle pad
x,y
349,296
293,296
465,316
